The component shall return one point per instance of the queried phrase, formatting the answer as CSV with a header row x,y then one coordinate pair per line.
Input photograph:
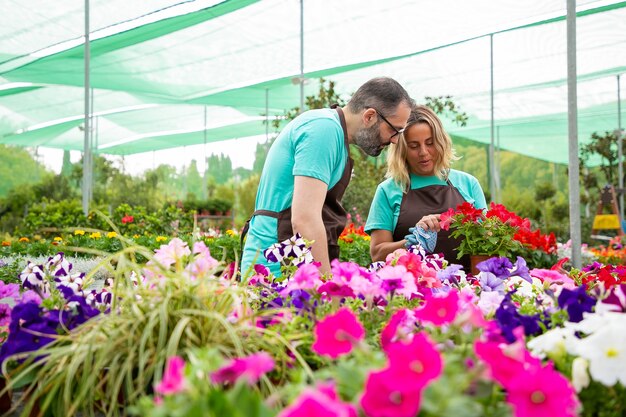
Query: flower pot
x,y
475,260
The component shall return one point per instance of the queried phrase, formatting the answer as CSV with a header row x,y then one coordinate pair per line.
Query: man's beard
x,y
368,139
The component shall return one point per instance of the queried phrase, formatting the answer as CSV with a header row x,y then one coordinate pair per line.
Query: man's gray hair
x,y
382,93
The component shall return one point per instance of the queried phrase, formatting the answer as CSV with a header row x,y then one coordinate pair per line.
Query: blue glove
x,y
427,239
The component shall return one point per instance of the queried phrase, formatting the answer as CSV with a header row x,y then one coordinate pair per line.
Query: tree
x,y
219,167
19,168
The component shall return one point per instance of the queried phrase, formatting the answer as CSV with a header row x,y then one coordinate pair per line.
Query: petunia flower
x,y
250,368
439,309
490,282
387,393
576,302
604,347
173,380
320,402
307,277
541,392
417,362
400,327
337,334
499,266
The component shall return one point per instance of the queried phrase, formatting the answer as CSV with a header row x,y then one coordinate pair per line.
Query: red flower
x,y
127,219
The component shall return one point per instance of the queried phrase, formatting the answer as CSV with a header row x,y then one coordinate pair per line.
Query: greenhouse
x,y
147,295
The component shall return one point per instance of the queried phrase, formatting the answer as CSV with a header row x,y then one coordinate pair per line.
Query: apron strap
x,y
246,227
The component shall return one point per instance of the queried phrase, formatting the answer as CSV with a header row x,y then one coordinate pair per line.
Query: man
x,y
308,169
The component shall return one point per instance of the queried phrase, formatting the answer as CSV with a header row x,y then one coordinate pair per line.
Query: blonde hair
x,y
397,165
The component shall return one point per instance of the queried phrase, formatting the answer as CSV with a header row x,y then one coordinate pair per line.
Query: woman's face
x,y
421,152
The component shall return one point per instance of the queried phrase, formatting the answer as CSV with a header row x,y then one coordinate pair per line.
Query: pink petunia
x,y
171,253
505,361
173,380
387,393
399,328
322,402
9,291
396,279
307,277
250,368
336,334
418,361
439,309
554,278
542,392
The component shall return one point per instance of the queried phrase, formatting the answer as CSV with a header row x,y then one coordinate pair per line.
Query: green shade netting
x,y
180,73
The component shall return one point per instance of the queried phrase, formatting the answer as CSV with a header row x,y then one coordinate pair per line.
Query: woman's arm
x,y
382,244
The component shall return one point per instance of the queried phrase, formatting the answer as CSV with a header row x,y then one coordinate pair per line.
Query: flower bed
x,y
182,334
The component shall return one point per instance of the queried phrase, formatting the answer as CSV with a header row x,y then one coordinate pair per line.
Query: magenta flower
x,y
506,361
336,334
173,380
251,368
387,393
419,361
542,392
399,328
439,309
323,402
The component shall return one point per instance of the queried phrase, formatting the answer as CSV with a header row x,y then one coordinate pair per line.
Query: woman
x,y
420,185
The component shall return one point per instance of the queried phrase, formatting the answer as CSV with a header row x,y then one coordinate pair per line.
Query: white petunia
x,y
580,376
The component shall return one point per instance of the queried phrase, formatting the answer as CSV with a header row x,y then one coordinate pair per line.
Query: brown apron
x,y
433,199
333,213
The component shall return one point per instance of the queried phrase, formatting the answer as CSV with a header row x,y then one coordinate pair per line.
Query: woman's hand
x,y
430,222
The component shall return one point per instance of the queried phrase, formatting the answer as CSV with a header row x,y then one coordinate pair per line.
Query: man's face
x,y
384,131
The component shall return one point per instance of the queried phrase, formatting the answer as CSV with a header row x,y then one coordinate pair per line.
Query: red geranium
x,y
127,219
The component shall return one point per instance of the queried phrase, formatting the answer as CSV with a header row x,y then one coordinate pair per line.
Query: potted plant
x,y
484,234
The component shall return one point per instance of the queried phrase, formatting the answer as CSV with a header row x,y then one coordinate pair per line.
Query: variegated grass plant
x,y
114,359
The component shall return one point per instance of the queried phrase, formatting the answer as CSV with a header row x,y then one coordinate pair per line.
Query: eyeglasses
x,y
390,125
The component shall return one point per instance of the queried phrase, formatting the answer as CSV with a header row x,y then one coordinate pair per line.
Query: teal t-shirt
x,y
311,145
385,208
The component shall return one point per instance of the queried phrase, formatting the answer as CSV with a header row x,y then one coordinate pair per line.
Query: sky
x,y
241,153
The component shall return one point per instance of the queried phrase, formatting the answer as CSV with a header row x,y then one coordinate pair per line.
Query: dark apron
x,y
434,199
333,213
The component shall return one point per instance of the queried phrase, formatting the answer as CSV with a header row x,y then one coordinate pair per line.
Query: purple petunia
x,y
576,302
490,282
509,318
499,266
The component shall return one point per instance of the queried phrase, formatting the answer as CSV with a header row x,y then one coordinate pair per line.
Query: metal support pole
x,y
206,161
87,167
301,56
492,170
497,166
572,127
620,151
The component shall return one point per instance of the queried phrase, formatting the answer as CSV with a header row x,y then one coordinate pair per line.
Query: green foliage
x,y
445,106
202,398
366,177
117,357
219,167
246,194
52,215
357,251
19,169
10,270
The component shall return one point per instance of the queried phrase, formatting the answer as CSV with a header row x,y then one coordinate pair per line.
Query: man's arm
x,y
306,216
